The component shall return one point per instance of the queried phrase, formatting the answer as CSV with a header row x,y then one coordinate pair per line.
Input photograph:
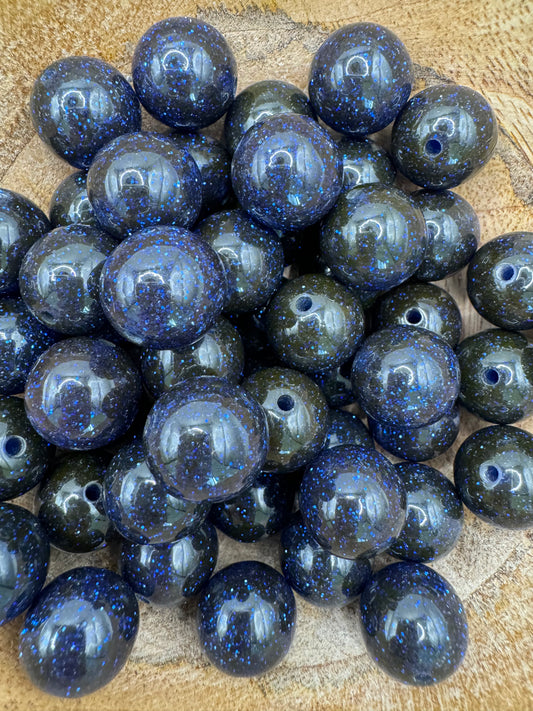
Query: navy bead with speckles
x,y
346,428
336,384
364,162
70,203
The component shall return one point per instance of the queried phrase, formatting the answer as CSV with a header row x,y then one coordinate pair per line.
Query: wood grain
x,y
486,45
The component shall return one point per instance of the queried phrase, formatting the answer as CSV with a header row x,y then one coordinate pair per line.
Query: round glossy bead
x,y
453,233
24,554
169,575
184,72
21,224
374,238
144,179
346,428
444,135
414,625
78,104
406,376
319,576
336,384
314,323
287,172
297,415
270,97
70,203
434,518
360,78
424,306
493,473
163,287
352,501
228,613
499,281
206,439
364,162
79,633
59,278
252,256
82,393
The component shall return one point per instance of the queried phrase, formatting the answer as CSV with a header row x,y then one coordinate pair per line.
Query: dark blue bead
x,y
414,625
246,618
82,393
79,633
70,203
346,428
78,104
184,72
24,554
364,162
287,172
336,384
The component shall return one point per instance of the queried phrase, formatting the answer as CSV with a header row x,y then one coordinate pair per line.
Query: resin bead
x,y
413,624
24,554
499,281
434,518
497,375
79,633
144,179
184,73
78,104
82,393
169,575
360,78
206,439
444,135
163,287
70,203
374,238
352,501
314,323
336,384
346,428
287,172
493,473
297,415
364,162
59,278
246,618
406,376
21,224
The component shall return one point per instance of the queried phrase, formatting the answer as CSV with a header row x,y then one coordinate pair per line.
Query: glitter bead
x,y
70,203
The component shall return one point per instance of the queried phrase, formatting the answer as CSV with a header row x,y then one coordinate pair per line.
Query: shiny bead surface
x,y
364,162
70,203
336,384
346,428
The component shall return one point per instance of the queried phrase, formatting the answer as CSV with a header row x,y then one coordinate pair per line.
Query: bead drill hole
x,y
413,316
507,272
433,147
491,473
92,492
304,303
13,446
491,376
285,403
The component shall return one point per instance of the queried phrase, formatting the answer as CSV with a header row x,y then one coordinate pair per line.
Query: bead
x,y
493,472
78,104
499,281
252,256
59,278
297,415
184,72
79,633
70,203
406,376
453,233
287,172
424,306
497,375
374,238
143,179
21,224
82,393
270,97
336,384
346,428
434,518
140,507
24,456
163,287
314,323
352,501
364,162
172,574
444,135
246,618
360,78
413,624
24,554
206,439
320,577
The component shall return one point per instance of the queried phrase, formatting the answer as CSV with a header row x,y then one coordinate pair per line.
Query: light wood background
x,y
483,43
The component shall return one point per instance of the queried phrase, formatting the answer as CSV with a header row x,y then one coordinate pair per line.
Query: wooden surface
x,y
485,44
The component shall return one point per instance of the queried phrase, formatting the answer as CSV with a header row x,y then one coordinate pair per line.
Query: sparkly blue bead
x,y
70,203
347,428
78,104
246,618
336,384
79,633
364,162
